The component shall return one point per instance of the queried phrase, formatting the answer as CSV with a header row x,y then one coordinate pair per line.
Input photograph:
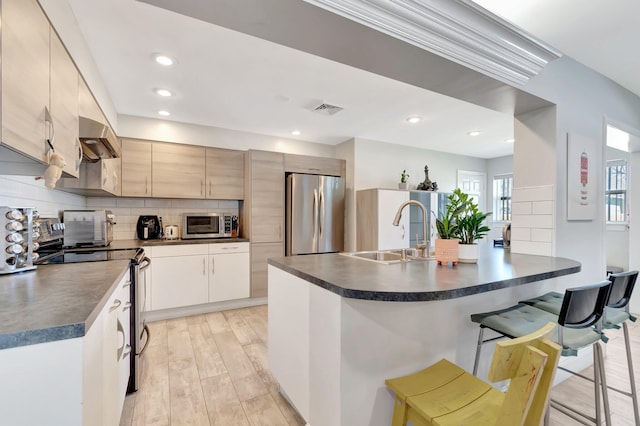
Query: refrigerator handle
x,y
315,217
321,213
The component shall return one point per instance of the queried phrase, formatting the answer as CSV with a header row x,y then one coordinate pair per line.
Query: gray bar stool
x,y
615,313
579,318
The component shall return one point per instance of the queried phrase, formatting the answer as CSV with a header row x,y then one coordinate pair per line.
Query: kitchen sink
x,y
385,256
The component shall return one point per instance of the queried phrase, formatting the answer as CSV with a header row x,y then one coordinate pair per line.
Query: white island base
x,y
331,354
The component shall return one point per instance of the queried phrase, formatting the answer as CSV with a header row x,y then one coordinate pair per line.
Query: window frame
x,y
617,191
497,201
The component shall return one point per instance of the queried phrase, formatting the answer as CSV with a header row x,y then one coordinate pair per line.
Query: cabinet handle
x,y
79,159
209,187
126,284
52,133
213,265
127,350
204,266
116,305
126,306
146,185
202,187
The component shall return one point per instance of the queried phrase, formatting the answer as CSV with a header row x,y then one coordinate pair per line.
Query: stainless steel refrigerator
x,y
315,214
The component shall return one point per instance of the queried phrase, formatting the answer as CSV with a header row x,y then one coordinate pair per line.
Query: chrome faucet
x,y
396,222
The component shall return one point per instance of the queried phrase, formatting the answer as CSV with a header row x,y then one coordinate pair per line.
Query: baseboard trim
x,y
186,311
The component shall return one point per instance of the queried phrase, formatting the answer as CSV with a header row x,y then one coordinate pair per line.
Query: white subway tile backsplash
x,y
532,247
99,202
533,193
520,234
542,207
532,221
521,208
130,202
542,235
157,203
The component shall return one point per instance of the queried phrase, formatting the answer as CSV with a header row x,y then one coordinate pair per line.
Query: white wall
x,y
379,165
584,98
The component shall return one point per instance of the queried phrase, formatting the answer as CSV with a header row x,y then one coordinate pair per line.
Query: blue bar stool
x,y
615,314
580,320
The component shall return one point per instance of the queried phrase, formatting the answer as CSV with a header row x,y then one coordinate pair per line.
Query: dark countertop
x,y
423,280
55,302
134,244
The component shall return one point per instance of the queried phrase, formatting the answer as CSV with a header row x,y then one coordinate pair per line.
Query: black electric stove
x,y
75,255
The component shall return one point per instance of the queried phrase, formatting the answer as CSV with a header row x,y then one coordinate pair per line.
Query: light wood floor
x,y
209,369
212,369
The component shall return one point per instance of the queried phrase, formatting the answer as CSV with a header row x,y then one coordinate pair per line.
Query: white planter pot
x,y
468,253
404,185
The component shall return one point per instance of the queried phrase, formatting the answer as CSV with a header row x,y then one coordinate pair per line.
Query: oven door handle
x,y
146,344
146,262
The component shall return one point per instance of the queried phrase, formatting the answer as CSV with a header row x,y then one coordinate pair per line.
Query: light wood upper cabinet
x,y
314,165
136,168
177,171
25,77
87,105
266,174
225,174
64,105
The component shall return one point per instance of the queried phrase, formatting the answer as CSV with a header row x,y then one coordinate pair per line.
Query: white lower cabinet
x,y
115,359
71,382
179,276
229,273
193,274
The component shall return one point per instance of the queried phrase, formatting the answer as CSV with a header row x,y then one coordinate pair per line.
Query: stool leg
x,y
596,384
632,380
603,382
399,413
478,350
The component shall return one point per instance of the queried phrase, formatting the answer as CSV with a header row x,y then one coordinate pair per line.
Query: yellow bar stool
x,y
579,323
615,314
444,394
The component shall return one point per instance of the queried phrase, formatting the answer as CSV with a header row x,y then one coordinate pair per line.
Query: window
x,y
502,186
616,191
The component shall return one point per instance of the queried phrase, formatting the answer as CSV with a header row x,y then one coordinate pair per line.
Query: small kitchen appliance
x,y
88,228
171,232
19,231
206,225
149,228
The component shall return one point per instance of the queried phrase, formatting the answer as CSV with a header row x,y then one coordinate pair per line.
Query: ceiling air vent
x,y
327,109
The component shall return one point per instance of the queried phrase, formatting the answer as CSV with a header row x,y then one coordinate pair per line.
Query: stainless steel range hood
x,y
98,141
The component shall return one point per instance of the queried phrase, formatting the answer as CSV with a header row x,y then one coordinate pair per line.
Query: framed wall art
x,y
581,185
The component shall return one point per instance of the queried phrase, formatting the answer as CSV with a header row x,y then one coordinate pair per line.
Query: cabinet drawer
x,y
223,248
180,250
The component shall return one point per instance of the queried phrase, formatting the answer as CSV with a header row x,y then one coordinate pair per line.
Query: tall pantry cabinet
x,y
263,213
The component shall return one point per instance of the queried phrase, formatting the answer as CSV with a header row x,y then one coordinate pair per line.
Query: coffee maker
x,y
149,228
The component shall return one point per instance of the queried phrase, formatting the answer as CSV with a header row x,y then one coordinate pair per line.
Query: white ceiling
x,y
602,35
228,79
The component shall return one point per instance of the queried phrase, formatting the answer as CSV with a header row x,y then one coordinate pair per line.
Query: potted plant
x,y
403,180
471,227
448,231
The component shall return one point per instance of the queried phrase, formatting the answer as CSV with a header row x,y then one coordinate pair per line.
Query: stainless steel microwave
x,y
206,225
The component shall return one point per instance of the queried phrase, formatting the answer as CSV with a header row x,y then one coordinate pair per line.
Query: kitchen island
x,y
339,326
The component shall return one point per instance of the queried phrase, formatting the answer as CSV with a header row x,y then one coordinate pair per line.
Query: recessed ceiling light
x,y
162,59
295,132
510,140
474,133
413,120
163,92
164,113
